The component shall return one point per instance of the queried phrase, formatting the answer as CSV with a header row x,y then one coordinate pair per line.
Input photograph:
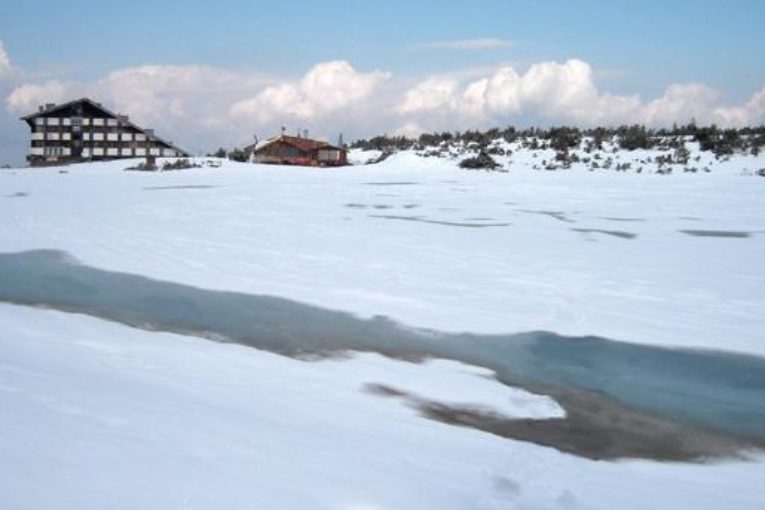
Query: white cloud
x,y
186,103
278,100
5,62
750,113
327,87
333,85
204,107
481,43
170,94
409,130
681,102
26,98
432,94
8,71
567,93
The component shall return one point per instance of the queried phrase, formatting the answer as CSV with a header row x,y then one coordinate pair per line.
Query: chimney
x,y
49,106
305,133
41,108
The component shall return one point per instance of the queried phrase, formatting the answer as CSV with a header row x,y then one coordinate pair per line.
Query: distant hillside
x,y
626,149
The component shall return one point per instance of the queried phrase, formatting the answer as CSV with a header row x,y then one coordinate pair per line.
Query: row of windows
x,y
77,143
85,129
76,121
54,152
95,135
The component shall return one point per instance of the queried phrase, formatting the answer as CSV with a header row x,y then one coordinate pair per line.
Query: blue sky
x,y
632,47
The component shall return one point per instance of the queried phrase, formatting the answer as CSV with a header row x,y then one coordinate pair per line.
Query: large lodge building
x,y
83,130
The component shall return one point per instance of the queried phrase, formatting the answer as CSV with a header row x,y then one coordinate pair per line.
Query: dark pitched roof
x,y
301,144
99,106
63,106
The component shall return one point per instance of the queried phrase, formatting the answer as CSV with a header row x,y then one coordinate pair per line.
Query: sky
x,y
216,74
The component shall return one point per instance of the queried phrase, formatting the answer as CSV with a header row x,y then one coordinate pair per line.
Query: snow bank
x,y
103,415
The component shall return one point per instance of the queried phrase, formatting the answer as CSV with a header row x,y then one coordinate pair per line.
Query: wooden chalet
x,y
293,150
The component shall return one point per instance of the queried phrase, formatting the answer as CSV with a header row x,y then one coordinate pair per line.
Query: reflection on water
x,y
724,392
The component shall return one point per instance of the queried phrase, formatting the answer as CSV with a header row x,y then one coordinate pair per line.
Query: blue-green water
x,y
719,391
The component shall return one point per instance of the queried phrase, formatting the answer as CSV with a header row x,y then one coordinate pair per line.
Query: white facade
x,y
56,135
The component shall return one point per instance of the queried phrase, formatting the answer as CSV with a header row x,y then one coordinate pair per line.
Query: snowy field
x,y
100,415
576,253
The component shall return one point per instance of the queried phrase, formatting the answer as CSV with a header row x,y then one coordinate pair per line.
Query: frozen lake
x,y
714,391
533,324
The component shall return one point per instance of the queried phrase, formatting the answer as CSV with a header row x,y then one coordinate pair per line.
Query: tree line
x,y
720,141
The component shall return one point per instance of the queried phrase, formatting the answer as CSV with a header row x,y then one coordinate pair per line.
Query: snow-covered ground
x,y
99,415
550,250
96,414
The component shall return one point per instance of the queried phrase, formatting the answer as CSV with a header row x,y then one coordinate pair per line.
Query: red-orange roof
x,y
301,144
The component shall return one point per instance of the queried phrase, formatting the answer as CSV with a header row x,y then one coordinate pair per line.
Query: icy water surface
x,y
740,234
717,391
421,219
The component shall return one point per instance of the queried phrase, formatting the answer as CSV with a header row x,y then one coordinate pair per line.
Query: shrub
x,y
564,138
238,155
635,137
482,161
144,167
179,164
